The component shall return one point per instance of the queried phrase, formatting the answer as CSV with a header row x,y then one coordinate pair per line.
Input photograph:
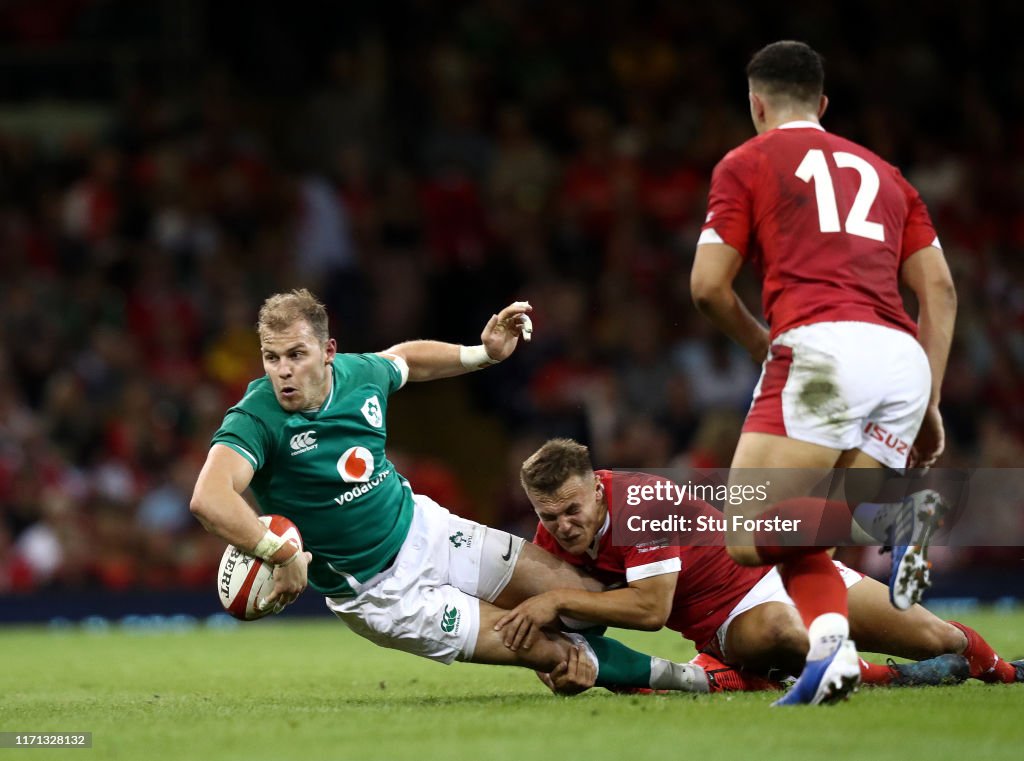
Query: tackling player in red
x,y
738,615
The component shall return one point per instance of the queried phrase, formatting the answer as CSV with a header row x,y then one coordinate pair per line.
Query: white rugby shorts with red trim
x,y
844,385
769,589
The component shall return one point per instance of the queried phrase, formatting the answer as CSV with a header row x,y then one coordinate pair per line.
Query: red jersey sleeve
x,y
651,559
919,231
730,202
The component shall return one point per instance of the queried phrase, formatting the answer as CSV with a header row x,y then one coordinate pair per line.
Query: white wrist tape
x,y
268,546
475,357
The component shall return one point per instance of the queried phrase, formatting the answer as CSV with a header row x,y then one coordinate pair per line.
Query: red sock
x,y
985,663
814,584
875,673
807,573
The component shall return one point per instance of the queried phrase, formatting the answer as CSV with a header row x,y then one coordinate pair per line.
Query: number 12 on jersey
x,y
815,168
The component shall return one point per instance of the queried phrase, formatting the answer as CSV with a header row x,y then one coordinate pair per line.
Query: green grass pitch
x,y
312,690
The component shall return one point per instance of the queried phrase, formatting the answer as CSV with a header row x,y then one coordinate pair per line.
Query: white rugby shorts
x,y
844,385
428,602
771,589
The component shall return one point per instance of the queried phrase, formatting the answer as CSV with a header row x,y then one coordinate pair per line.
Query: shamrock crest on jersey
x,y
371,411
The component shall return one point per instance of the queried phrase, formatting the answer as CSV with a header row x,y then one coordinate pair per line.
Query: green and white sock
x,y
669,675
620,666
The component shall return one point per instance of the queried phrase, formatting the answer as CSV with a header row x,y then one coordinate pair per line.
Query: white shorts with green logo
x,y
428,602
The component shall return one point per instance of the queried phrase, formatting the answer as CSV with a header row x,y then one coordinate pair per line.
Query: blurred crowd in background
x,y
165,166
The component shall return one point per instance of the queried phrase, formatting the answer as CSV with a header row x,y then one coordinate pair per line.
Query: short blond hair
x,y
282,310
547,469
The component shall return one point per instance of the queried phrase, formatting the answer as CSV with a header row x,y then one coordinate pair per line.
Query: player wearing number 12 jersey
x,y
849,379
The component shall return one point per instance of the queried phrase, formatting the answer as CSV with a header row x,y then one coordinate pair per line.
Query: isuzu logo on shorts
x,y
356,465
891,440
303,442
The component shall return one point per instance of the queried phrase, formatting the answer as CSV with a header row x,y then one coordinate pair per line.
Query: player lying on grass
x,y
741,615
309,439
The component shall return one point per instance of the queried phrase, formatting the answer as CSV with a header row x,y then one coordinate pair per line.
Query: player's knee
x,y
941,637
784,635
744,555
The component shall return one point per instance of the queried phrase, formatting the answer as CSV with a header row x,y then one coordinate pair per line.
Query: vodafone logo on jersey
x,y
356,465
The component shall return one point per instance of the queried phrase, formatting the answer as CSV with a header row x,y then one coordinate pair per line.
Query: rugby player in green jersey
x,y
309,439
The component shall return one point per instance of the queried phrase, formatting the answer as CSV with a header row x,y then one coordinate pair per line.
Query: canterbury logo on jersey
x,y
303,442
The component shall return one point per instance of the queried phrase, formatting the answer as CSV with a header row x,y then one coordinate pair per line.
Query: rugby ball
x,y
244,581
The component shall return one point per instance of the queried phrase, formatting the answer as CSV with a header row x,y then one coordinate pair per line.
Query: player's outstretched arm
x,y
926,273
431,360
715,266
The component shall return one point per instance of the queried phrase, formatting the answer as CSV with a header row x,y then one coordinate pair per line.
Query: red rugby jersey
x,y
826,222
709,586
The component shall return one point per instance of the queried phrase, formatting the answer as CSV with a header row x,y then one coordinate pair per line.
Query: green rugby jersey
x,y
327,470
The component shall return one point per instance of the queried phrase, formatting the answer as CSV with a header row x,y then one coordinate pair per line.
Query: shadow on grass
x,y
490,700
